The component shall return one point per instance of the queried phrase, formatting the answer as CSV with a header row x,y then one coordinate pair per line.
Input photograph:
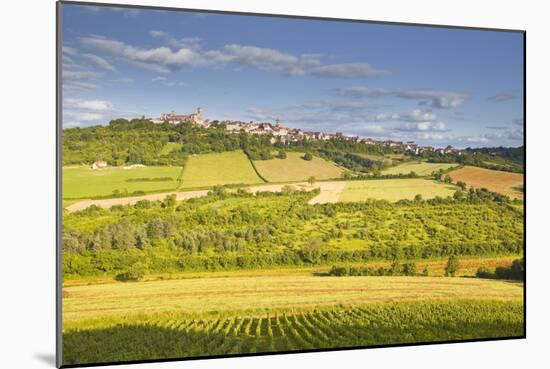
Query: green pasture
x,y
208,170
394,189
84,182
420,168
294,168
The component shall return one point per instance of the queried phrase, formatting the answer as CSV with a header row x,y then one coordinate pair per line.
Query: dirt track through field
x,y
330,192
107,203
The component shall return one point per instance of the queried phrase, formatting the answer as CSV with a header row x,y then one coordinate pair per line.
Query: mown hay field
x,y
84,182
294,168
421,169
245,294
493,180
394,189
206,170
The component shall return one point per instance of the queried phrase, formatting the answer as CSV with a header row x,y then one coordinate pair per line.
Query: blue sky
x,y
435,86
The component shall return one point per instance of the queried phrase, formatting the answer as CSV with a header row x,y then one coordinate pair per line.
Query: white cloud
x,y
123,80
185,42
422,127
348,70
502,96
69,50
79,75
263,58
98,61
433,98
77,86
97,105
187,51
126,12
163,58
83,112
168,82
416,115
87,117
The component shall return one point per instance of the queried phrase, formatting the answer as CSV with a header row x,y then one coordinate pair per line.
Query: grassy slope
x,y
294,168
81,182
218,169
422,169
394,189
493,180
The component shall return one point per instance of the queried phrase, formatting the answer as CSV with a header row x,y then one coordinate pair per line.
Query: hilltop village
x,y
283,134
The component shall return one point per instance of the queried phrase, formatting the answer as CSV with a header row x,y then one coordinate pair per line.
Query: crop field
x,y
208,170
168,318
493,180
421,169
394,189
83,182
176,335
294,168
245,294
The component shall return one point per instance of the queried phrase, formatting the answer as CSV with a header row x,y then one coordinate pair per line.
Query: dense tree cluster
x,y
507,159
515,271
241,230
396,268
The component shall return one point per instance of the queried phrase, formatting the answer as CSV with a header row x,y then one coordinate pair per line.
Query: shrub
x,y
135,273
515,271
307,156
484,272
452,266
338,271
409,269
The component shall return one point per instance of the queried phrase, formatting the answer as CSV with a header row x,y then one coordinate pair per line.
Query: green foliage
x,y
452,266
135,273
507,159
307,156
484,272
240,230
354,162
281,154
395,269
515,272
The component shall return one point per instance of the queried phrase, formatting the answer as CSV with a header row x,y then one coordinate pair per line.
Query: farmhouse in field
x,y
99,164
